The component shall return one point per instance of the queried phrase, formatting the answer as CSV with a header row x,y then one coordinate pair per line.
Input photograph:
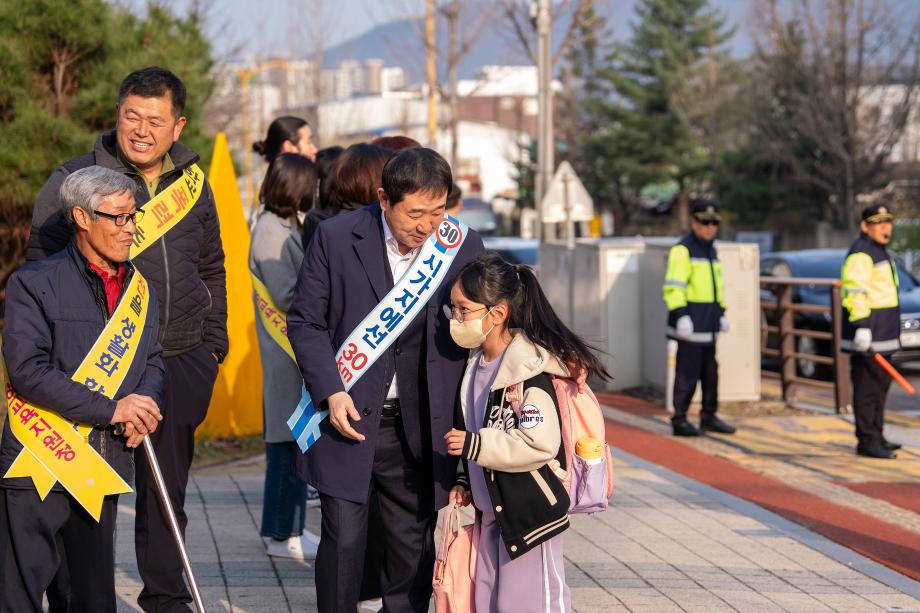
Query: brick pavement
x,y
666,544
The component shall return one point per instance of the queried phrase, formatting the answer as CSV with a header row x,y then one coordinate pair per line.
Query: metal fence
x,y
782,326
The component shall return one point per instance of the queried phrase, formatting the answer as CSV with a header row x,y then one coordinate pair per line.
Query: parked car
x,y
826,264
514,249
478,215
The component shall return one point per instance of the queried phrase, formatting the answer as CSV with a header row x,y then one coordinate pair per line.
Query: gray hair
x,y
87,187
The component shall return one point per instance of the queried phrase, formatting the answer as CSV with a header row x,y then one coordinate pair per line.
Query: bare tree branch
x,y
844,76
517,15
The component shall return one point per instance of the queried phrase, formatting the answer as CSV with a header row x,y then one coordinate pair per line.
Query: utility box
x,y
606,297
738,351
554,264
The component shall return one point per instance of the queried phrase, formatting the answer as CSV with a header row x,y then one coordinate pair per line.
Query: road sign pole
x,y
545,111
570,245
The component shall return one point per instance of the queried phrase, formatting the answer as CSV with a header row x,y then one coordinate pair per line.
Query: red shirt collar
x,y
112,284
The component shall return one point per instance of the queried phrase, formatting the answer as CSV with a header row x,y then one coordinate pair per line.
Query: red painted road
x,y
905,495
881,541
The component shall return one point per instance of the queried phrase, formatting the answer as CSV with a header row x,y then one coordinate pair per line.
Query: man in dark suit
x,y
385,434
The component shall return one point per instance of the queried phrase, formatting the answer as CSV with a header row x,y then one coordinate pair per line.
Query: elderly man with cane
x,y
85,381
178,249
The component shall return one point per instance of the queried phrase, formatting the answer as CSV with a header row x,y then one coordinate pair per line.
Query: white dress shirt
x,y
399,265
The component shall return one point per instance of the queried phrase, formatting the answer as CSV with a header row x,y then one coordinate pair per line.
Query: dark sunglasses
x,y
708,222
122,219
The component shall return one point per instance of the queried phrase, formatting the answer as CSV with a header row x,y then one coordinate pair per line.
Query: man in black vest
x,y
186,267
386,434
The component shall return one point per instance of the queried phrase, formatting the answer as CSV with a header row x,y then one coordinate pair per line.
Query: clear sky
x,y
239,28
243,27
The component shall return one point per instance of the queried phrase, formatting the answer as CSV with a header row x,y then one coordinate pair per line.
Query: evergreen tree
x,y
61,62
61,65
646,138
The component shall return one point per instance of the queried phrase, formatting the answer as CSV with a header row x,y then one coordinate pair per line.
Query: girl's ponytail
x,y
534,314
490,279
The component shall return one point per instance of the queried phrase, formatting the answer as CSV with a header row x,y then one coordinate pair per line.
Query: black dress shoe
x,y
876,452
684,428
889,445
716,425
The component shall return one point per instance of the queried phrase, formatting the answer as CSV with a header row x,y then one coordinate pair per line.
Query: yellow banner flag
x,y
236,403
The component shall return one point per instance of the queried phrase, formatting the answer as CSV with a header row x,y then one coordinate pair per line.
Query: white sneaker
x,y
295,548
309,536
370,605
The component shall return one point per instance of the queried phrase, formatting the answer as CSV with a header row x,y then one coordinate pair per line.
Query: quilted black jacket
x,y
186,266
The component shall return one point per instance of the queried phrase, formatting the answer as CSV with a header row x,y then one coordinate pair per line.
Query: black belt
x,y
390,408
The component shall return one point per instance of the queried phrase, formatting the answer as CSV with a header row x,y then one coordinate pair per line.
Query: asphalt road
x,y
898,399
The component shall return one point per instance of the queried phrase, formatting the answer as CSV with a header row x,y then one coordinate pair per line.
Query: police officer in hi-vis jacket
x,y
693,292
871,325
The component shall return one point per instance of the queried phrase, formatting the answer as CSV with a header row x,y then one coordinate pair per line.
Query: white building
x,y
881,100
504,81
488,150
493,149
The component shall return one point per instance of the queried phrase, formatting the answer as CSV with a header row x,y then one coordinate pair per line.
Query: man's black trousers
x,y
187,393
38,538
696,363
405,498
870,389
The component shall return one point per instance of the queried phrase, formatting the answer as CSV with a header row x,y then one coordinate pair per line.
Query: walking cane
x,y
173,523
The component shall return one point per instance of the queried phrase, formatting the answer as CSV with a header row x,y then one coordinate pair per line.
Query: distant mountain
x,y
401,43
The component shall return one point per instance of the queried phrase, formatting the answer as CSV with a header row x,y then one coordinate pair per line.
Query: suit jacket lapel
x,y
372,252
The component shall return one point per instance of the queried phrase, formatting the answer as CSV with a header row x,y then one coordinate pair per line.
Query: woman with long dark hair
x,y
352,183
511,440
325,160
287,135
275,257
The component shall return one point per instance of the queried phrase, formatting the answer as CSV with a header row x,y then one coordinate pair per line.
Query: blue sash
x,y
383,325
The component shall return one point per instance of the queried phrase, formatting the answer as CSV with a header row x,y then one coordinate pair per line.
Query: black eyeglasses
x,y
458,313
123,218
708,222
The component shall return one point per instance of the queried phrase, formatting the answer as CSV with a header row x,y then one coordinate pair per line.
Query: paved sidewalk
x,y
666,544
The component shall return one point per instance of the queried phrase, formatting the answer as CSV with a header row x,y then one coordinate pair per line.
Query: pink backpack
x,y
590,484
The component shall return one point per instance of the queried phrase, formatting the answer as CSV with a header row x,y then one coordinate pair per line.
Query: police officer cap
x,y
877,213
705,210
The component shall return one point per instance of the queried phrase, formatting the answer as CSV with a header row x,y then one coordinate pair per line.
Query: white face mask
x,y
468,333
